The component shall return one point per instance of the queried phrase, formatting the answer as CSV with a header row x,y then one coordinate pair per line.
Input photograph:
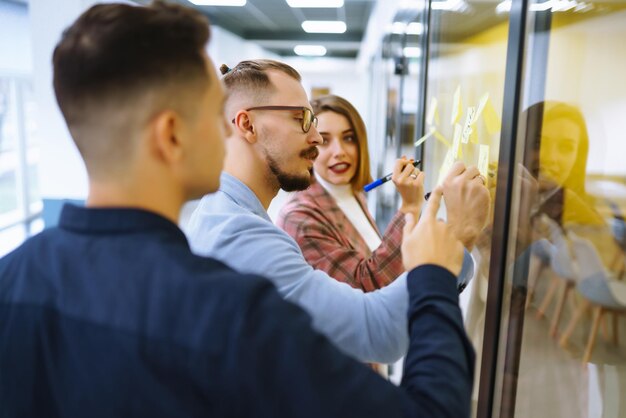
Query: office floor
x,y
553,381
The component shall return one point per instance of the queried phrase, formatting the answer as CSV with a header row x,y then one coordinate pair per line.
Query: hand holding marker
x,y
385,179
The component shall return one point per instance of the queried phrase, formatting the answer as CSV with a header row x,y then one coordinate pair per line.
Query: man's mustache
x,y
310,153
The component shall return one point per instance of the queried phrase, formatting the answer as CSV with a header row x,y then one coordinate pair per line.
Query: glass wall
x,y
532,93
564,293
465,90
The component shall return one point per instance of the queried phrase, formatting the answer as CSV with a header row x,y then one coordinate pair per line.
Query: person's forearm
x,y
438,369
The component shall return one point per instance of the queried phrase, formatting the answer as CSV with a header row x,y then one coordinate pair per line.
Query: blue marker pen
x,y
385,179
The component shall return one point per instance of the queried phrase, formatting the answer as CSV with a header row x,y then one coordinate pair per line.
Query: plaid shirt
x,y
330,242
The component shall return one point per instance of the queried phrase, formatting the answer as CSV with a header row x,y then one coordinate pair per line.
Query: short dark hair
x,y
250,77
118,52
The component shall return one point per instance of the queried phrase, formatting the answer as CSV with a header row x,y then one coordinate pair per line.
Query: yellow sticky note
x,y
456,141
467,127
481,106
425,137
492,120
432,111
445,167
442,138
474,136
456,106
483,160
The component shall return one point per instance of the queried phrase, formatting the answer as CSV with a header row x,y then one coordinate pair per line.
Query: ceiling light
x,y
504,7
315,3
450,5
310,50
398,28
323,26
415,28
219,2
583,7
554,5
412,52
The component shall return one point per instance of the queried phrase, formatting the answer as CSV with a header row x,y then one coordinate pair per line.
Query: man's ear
x,y
168,136
245,127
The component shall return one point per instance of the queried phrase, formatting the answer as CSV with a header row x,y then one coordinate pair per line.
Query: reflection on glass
x,y
572,360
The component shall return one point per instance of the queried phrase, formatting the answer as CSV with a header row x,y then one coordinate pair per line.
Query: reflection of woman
x,y
563,166
563,155
330,220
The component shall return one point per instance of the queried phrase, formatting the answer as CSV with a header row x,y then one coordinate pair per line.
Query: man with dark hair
x,y
272,147
110,314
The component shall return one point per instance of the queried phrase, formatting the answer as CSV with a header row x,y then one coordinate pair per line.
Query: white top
x,y
349,205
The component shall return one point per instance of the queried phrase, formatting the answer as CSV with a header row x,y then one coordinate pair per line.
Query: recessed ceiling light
x,y
452,5
412,52
415,28
310,50
315,3
324,26
238,3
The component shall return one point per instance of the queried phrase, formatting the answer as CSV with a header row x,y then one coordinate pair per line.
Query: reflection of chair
x,y
541,253
561,265
599,291
618,228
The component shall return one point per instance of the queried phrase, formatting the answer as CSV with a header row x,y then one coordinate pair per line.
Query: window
x,y
20,201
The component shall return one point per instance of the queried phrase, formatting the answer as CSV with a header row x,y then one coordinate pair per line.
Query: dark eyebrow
x,y
348,130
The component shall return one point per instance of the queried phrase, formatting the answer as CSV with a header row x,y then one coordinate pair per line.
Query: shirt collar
x,y
341,191
242,195
120,220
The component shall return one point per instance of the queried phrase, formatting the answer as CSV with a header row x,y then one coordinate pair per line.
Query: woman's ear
x,y
245,126
168,136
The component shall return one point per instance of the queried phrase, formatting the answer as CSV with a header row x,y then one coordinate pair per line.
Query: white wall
x,y
228,48
15,45
586,66
61,171
340,75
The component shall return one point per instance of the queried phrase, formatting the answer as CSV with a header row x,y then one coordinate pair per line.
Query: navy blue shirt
x,y
110,314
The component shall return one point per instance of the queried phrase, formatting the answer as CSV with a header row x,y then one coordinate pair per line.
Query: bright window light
x,y
412,52
310,50
219,2
323,26
315,3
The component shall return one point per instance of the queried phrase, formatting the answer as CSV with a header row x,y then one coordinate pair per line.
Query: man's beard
x,y
292,182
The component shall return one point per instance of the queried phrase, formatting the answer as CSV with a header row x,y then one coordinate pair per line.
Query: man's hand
x,y
410,184
431,241
467,202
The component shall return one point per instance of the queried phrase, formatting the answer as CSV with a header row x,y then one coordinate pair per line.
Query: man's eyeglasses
x,y
308,118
